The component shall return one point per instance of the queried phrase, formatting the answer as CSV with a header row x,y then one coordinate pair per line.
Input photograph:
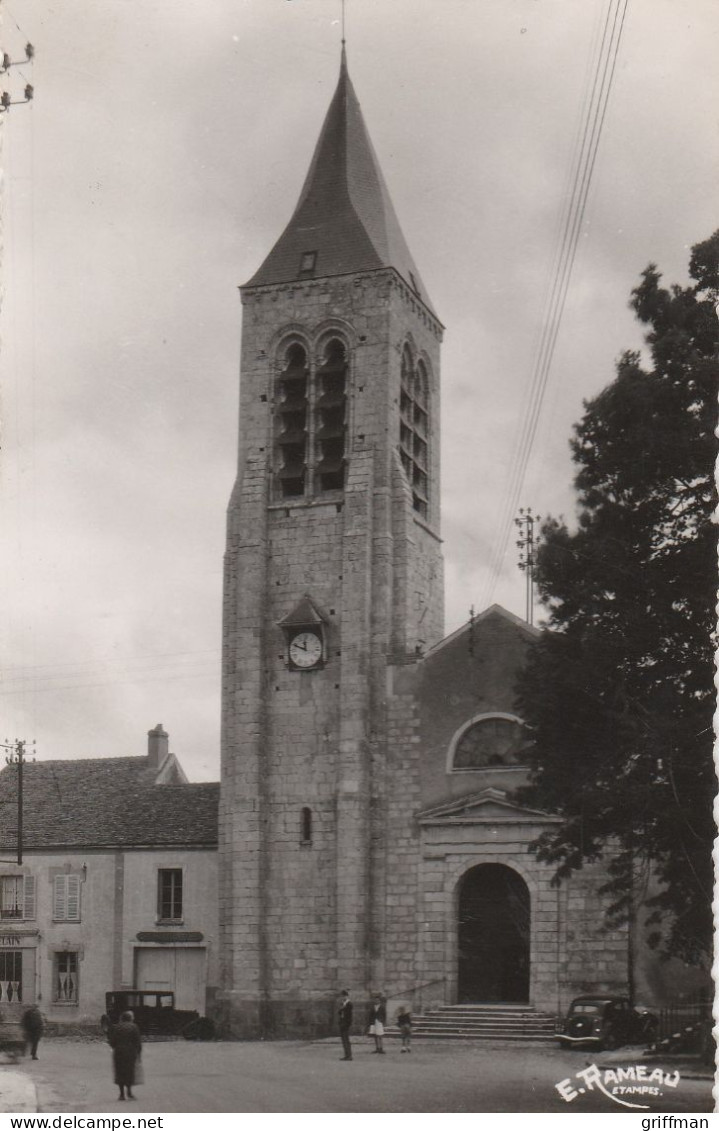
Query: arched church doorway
x,y
493,935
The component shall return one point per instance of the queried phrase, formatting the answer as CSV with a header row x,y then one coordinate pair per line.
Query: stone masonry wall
x,y
299,920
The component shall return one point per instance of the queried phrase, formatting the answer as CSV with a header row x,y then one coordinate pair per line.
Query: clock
x,y
305,650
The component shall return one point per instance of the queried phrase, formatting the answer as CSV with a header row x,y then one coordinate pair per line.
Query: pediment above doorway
x,y
489,806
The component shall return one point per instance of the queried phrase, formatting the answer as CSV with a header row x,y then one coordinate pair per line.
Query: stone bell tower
x,y
333,575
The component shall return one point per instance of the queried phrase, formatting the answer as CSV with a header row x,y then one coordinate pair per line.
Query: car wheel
x,y
609,1040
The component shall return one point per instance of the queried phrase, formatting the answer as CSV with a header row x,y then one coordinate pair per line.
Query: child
x,y
378,1020
405,1027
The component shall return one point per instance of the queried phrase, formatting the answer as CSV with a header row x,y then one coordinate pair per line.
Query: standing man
x,y
345,1019
32,1028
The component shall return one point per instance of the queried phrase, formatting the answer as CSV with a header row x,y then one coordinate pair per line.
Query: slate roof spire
x,y
344,221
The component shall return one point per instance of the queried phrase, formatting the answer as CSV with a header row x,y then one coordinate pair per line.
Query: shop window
x,y
66,898
169,894
17,897
65,976
10,975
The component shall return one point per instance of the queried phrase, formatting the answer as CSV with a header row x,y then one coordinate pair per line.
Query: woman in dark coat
x,y
126,1047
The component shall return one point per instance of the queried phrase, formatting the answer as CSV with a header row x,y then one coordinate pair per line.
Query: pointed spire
x,y
344,221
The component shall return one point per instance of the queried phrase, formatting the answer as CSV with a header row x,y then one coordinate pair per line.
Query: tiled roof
x,y
344,213
104,802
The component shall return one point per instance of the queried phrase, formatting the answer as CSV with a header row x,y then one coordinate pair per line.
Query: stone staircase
x,y
496,1022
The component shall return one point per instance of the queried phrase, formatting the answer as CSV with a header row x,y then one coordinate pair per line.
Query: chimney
x,y
157,746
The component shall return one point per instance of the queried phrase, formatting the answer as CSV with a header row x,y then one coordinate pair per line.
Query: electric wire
x,y
584,164
557,298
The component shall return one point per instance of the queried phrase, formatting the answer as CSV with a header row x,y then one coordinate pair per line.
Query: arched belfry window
x,y
493,740
291,420
331,418
310,425
414,429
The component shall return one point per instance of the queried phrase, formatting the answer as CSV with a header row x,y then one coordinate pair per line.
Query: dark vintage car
x,y
154,1012
605,1022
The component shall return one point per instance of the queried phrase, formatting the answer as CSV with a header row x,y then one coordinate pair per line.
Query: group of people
x,y
377,1022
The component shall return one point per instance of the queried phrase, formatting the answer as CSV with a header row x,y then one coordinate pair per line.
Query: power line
x,y
554,306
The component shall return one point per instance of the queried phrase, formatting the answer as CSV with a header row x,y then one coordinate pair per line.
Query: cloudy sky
x,y
162,156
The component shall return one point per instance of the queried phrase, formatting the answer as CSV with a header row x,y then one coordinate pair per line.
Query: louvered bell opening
x,y
333,399
419,505
330,432
333,367
419,452
291,476
292,468
291,436
293,400
292,488
294,373
420,420
330,463
331,473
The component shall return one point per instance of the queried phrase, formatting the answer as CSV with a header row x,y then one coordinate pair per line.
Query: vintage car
x,y
154,1011
605,1022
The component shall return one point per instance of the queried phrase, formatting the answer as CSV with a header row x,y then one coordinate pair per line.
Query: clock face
x,y
305,650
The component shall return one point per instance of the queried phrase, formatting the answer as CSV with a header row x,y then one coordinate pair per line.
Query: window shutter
x,y
73,897
29,898
59,902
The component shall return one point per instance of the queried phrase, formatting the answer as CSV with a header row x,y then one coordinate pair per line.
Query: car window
x,y
166,1001
591,1007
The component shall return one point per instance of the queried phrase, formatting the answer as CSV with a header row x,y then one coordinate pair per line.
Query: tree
x,y
618,694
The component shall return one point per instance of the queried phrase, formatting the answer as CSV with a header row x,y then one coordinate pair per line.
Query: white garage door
x,y
173,968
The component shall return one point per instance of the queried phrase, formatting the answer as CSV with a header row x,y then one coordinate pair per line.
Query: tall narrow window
x,y
306,826
17,897
331,417
65,976
11,897
414,429
66,898
10,975
291,423
169,893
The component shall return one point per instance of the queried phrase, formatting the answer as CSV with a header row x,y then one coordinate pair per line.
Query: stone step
x,y
472,1035
495,1021
484,1015
536,1027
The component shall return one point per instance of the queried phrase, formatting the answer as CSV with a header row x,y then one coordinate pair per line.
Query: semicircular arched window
x,y
492,741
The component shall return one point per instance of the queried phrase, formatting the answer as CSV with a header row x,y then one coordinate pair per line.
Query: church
x,y
367,834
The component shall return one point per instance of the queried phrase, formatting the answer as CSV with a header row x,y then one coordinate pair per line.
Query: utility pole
x,y
16,757
527,544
